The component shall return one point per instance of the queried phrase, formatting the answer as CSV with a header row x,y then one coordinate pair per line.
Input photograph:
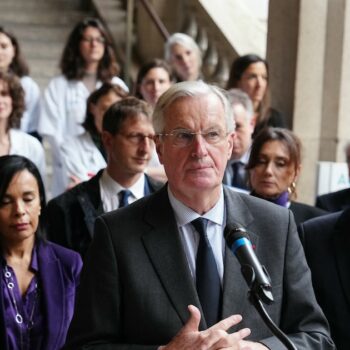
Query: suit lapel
x,y
342,242
164,247
53,294
235,288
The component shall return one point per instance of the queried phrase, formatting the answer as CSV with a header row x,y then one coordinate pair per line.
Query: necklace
x,y
18,317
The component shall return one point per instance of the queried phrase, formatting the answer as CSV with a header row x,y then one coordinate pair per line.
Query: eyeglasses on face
x,y
90,40
137,138
184,138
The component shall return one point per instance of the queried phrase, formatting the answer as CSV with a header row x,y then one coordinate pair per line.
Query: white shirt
x,y
63,111
30,118
80,157
110,189
190,237
28,146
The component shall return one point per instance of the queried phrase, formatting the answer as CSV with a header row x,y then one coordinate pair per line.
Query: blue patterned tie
x,y
207,276
123,198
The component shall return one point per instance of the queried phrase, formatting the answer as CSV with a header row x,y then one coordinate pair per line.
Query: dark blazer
x,y
59,270
334,201
71,216
326,242
136,283
303,212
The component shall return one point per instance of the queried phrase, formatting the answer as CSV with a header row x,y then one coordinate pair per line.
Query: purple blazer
x,y
59,271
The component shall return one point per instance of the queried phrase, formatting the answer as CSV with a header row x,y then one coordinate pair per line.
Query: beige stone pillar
x,y
296,51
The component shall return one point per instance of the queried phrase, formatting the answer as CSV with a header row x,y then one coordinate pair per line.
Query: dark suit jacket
x,y
136,282
303,212
71,216
326,242
59,270
334,201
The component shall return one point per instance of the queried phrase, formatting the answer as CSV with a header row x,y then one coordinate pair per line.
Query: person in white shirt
x,y
13,140
12,60
84,155
87,61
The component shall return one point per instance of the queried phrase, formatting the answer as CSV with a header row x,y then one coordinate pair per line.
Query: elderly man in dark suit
x,y
128,139
145,280
326,242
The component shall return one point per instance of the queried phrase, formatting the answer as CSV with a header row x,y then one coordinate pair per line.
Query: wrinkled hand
x,y
215,337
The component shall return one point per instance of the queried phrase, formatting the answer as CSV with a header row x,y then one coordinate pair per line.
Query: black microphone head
x,y
233,232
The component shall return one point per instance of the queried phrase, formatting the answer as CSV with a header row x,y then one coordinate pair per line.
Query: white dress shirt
x,y
190,237
110,189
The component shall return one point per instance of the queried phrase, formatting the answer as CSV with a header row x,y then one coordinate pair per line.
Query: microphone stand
x,y
257,294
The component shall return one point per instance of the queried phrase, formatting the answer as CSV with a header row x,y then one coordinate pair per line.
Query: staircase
x,y
41,27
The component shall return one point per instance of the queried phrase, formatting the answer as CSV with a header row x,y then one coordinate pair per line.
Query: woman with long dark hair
x,y
250,73
13,61
87,61
38,278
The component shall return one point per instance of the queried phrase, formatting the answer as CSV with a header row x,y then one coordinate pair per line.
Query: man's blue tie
x,y
207,276
123,198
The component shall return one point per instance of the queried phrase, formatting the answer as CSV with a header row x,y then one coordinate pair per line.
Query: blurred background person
x,y
236,174
128,139
84,155
38,278
326,242
184,56
13,140
154,78
274,166
12,60
338,200
87,61
251,74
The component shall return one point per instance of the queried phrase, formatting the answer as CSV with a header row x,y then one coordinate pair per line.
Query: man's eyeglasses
x,y
137,138
90,40
184,138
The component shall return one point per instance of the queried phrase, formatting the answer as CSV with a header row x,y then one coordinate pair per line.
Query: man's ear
x,y
106,139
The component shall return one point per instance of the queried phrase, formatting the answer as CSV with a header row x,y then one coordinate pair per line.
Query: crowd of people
x,y
145,179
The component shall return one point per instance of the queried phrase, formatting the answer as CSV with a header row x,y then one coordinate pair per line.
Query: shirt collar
x,y
184,215
113,187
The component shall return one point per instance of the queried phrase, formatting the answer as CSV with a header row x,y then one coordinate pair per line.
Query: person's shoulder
x,y
71,196
322,223
334,195
155,184
66,256
19,136
307,208
29,82
117,81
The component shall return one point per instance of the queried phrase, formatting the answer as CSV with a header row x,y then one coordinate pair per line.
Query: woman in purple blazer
x,y
38,278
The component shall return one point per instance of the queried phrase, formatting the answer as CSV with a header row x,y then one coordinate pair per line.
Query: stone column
x,y
296,51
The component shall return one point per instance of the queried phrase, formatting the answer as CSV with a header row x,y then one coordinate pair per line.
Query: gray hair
x,y
239,97
183,40
190,89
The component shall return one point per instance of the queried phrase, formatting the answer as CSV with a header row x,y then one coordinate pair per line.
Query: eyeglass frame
x,y
193,134
90,40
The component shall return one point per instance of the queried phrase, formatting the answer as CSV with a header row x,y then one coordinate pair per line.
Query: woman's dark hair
x,y
18,65
105,89
10,165
155,63
238,67
72,63
285,136
16,92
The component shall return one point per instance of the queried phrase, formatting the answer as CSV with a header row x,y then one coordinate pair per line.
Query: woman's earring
x,y
292,188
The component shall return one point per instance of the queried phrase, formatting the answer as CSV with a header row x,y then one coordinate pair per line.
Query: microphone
x,y
253,272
